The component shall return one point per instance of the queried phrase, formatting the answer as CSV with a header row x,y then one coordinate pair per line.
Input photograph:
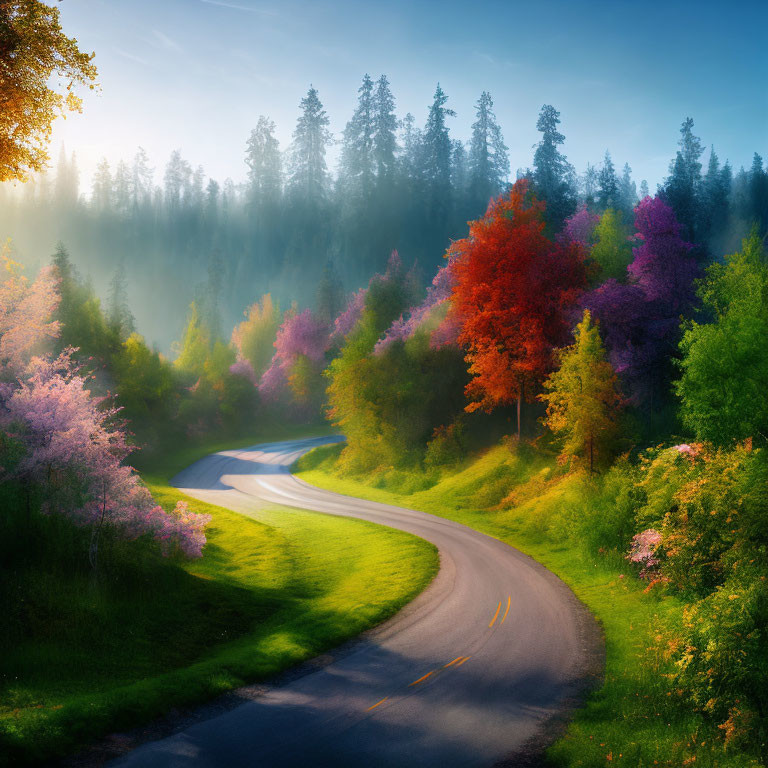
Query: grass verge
x,y
98,655
635,719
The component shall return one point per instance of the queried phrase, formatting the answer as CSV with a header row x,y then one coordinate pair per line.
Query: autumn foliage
x,y
514,295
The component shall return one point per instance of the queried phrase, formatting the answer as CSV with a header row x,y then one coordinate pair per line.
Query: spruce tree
x,y
488,157
262,156
308,176
682,188
553,176
356,171
608,184
384,131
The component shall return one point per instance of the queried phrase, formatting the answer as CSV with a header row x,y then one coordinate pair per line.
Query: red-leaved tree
x,y
514,292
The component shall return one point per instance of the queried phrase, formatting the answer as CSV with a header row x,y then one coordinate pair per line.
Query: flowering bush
x,y
643,552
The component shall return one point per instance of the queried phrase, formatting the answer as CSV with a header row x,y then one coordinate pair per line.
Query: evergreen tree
x,y
330,295
384,131
459,172
682,188
589,185
118,310
101,193
122,187
141,179
553,176
356,171
758,193
488,157
582,397
308,175
713,212
67,180
176,180
608,184
644,192
437,151
264,163
627,190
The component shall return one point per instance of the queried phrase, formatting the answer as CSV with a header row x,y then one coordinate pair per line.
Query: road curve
x,y
467,675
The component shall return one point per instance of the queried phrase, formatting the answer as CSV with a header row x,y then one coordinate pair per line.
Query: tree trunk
x,y
519,407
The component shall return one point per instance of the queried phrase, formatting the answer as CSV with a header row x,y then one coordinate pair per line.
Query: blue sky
x,y
195,75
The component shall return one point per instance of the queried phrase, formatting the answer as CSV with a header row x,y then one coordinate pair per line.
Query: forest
x,y
594,351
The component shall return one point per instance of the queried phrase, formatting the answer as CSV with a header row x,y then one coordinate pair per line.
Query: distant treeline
x,y
397,186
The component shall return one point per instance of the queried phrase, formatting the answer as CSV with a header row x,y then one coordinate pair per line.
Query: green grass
x,y
635,718
150,634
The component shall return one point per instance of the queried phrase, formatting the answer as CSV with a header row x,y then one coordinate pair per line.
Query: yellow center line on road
x,y
463,659
509,602
421,679
495,615
451,663
377,703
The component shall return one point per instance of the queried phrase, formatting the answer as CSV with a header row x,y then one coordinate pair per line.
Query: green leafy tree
x,y
724,379
582,397
195,346
612,250
254,337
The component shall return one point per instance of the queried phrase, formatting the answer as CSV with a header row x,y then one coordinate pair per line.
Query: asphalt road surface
x,y
468,674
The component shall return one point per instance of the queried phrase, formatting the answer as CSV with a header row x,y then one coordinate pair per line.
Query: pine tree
x,y
437,150
122,187
682,188
582,397
66,185
644,192
715,191
608,184
264,163
384,131
488,157
627,190
459,171
553,176
758,193
176,180
589,185
330,295
141,179
101,195
118,310
356,172
308,176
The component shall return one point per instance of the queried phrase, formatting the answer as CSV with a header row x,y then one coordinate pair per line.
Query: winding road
x,y
468,674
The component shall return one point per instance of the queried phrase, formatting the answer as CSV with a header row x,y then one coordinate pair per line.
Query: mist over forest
x,y
166,234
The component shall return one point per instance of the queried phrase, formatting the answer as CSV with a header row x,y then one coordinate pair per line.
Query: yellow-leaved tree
x,y
40,67
582,397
